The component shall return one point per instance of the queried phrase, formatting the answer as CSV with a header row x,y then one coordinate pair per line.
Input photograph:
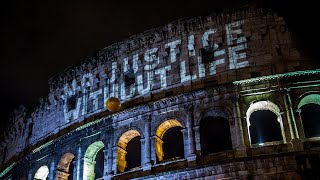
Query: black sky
x,y
42,38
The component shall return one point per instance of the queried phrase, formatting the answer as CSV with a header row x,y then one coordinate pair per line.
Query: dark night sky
x,y
42,38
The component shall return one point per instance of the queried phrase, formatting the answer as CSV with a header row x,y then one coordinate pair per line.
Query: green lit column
x,y
291,119
295,141
241,142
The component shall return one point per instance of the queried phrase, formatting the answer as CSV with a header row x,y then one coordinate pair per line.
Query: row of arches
x,y
168,144
264,124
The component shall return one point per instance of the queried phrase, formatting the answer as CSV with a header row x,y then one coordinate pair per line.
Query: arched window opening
x,y
309,108
264,127
65,167
94,161
129,151
169,141
133,153
173,144
99,166
214,135
42,173
310,119
264,124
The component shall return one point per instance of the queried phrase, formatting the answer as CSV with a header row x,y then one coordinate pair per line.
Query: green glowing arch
x,y
89,160
312,98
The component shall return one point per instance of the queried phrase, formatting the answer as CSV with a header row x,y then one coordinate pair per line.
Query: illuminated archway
x,y
122,157
312,98
160,139
90,160
65,167
309,110
270,121
42,173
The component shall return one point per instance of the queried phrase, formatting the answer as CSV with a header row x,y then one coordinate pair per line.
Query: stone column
x,y
145,145
30,175
197,139
52,170
290,117
185,142
189,145
108,159
295,140
242,141
114,159
242,123
74,169
153,150
79,163
107,170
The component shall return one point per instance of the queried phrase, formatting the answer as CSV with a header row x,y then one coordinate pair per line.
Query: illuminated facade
x,y
226,95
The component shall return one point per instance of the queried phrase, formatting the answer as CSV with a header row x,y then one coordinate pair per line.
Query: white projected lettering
x,y
156,67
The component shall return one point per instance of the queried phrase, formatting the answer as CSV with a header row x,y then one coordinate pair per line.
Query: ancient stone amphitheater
x,y
228,95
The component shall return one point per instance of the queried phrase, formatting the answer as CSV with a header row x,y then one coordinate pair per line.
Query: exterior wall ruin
x,y
218,65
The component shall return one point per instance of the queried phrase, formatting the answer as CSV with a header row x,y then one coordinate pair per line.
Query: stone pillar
x,y
197,139
79,163
190,143
105,161
30,175
290,117
52,170
185,142
153,149
243,141
107,170
295,141
145,146
242,123
74,169
114,159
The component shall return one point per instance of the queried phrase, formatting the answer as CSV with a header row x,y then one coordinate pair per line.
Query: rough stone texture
x,y
54,128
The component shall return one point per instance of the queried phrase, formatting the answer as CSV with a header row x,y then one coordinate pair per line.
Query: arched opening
x,y
65,167
264,127
309,108
94,161
129,151
42,173
214,135
264,124
169,141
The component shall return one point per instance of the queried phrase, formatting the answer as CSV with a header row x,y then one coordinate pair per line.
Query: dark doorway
x,y
99,166
133,156
310,119
264,127
215,135
173,144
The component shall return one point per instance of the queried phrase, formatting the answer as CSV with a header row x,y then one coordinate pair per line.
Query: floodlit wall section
x,y
181,55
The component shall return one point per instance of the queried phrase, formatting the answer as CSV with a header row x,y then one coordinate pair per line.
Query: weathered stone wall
x,y
221,64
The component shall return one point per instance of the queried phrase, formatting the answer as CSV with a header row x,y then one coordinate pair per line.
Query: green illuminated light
x,y
277,76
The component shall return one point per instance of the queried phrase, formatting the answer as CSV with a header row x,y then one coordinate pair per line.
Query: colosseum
x,y
223,96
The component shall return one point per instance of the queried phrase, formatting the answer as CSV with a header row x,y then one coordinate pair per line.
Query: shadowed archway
x,y
214,134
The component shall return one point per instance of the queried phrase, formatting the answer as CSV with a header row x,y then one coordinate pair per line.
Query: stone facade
x,y
226,66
